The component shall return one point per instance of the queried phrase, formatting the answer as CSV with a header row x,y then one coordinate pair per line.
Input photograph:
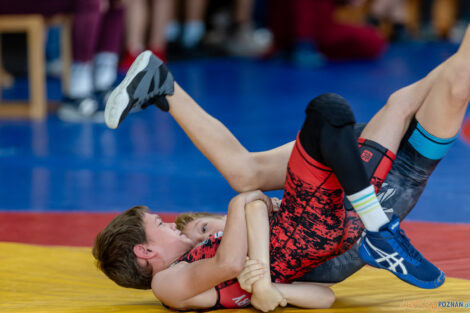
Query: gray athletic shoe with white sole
x,y
147,82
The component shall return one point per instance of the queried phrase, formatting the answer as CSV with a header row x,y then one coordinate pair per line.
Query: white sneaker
x,y
250,42
80,80
105,71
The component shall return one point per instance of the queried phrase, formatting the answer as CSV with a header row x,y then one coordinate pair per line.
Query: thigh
x,y
312,225
398,195
444,108
309,226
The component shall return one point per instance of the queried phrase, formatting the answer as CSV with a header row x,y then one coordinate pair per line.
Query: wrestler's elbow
x,y
236,268
247,177
244,181
229,267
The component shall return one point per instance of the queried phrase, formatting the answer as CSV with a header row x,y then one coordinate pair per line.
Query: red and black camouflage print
x,y
312,225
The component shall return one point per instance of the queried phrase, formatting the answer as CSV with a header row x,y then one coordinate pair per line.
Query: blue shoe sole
x,y
366,256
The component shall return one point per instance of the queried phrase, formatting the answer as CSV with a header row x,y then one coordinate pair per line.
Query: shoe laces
x,y
148,100
154,99
405,244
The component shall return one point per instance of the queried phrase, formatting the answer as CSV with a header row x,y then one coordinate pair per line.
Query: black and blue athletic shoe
x,y
147,82
390,249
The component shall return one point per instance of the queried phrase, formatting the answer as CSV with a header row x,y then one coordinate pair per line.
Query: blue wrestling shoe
x,y
390,249
147,82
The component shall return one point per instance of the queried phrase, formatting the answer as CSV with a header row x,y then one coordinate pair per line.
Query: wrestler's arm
x,y
306,295
264,296
188,285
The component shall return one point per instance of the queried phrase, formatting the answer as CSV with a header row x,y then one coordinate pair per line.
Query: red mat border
x,y
442,243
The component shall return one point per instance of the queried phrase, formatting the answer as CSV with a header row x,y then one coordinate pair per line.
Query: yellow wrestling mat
x,y
63,279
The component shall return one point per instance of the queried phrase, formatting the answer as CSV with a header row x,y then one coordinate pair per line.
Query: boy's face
x,y
164,237
201,228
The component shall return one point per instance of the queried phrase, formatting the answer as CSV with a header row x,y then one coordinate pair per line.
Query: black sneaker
x,y
147,82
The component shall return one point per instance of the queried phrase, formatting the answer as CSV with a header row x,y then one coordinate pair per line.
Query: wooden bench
x,y
35,26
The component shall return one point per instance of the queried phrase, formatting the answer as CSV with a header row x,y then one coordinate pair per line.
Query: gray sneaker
x,y
147,82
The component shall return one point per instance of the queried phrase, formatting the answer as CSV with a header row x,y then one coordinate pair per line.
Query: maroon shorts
x,y
312,225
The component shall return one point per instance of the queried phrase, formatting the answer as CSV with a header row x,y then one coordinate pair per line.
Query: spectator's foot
x,y
81,80
390,249
249,42
147,82
80,110
105,70
306,56
193,32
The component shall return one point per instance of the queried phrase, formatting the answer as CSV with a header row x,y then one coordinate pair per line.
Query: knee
x,y
400,104
457,77
242,182
332,108
246,178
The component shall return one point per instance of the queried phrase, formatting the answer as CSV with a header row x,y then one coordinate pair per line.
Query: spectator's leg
x,y
194,27
109,45
135,26
305,27
161,16
85,34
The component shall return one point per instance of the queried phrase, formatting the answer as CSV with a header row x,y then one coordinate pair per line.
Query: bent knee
x,y
245,180
457,78
332,108
400,104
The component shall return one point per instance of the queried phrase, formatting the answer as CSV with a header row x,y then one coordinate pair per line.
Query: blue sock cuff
x,y
430,146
